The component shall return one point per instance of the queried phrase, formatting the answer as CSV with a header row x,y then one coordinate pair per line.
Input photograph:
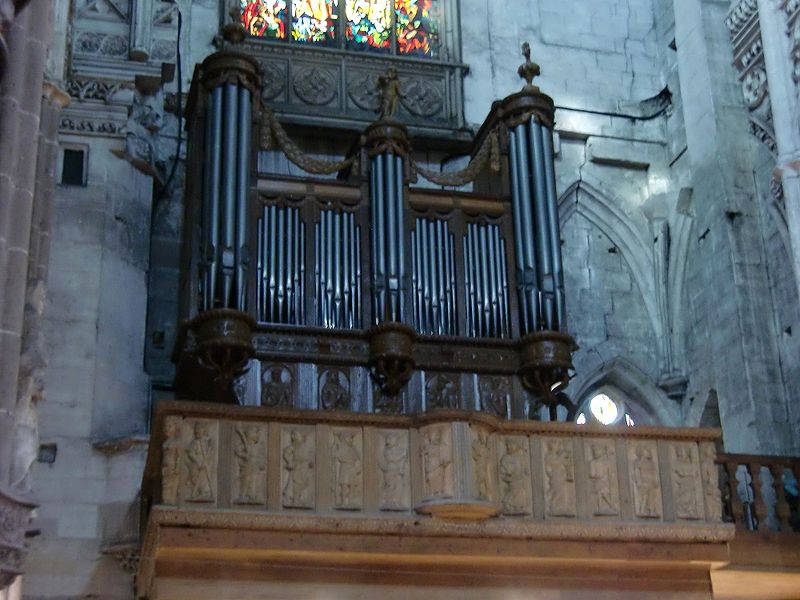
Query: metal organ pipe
x,y
555,234
388,237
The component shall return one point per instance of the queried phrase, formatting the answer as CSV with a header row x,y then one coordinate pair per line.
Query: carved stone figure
x,y
251,464
347,469
645,480
603,487
335,394
482,464
685,474
200,464
560,479
437,459
393,465
276,386
711,490
514,477
298,465
171,460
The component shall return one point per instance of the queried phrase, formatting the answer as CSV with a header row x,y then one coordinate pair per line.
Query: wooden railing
x,y
760,493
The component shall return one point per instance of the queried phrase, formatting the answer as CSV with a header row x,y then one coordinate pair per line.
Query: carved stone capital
x,y
16,512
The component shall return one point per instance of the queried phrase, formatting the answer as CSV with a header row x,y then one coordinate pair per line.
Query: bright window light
x,y
604,409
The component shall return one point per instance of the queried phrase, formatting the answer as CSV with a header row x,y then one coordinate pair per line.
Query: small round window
x,y
603,409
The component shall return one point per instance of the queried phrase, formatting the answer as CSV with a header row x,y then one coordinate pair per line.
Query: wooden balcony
x,y
260,503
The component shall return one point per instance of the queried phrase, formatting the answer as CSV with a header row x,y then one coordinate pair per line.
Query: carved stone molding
x,y
748,60
15,515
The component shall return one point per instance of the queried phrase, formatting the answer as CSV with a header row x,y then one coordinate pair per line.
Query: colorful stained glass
x,y
264,18
369,24
417,27
314,21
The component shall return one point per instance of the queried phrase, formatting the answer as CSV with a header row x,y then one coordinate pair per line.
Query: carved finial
x,y
389,93
235,31
528,70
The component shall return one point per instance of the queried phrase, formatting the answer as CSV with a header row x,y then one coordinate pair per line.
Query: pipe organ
x,y
367,281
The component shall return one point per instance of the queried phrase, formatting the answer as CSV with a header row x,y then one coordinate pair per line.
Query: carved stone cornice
x,y
16,512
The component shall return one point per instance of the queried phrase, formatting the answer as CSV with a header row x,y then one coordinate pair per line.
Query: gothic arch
x,y
622,374
582,198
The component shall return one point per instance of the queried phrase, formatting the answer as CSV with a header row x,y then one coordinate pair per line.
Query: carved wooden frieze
x,y
437,461
687,491
347,454
190,461
515,475
559,477
645,479
298,467
249,463
601,460
394,483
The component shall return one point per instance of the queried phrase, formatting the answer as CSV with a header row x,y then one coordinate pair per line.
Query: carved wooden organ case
x,y
366,293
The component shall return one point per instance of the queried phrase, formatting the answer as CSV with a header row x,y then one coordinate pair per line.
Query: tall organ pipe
x,y
555,234
544,248
230,81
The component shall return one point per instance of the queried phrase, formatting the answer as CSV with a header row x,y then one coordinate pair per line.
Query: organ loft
x,y
347,299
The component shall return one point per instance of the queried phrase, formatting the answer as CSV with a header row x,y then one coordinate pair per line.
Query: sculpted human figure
x,y
171,461
600,478
275,389
436,462
392,462
251,460
347,465
711,490
298,461
558,470
646,486
481,460
389,91
198,464
684,473
512,477
334,395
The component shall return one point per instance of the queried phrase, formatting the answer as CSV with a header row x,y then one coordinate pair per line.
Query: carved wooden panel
x,y
559,477
515,475
437,461
645,479
347,454
687,491
601,461
249,463
189,461
394,474
298,467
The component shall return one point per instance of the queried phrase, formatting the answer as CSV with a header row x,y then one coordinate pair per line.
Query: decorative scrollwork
x,y
363,91
273,81
754,87
422,97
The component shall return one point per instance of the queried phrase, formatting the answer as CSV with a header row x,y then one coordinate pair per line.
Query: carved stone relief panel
x,y
315,85
273,81
347,453
200,460
394,479
298,467
601,461
495,395
104,10
423,97
645,479
437,461
334,389
687,491
277,385
483,464
710,475
250,463
441,391
559,477
101,44
515,475
171,451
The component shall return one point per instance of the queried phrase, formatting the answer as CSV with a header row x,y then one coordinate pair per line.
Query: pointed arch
x,y
621,373
586,200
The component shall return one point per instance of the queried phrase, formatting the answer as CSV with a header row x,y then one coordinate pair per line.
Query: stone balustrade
x,y
654,482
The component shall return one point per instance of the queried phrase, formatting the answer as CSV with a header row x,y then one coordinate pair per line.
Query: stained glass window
x,y
369,24
417,27
314,21
264,18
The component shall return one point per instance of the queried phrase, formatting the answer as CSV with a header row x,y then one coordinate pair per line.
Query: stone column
x,y
20,107
785,117
733,350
